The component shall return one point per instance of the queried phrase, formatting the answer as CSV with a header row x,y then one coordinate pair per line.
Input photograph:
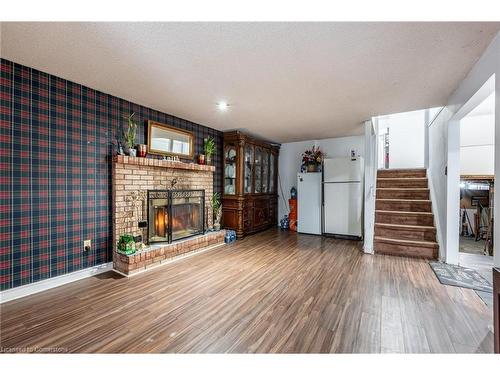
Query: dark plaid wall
x,y
55,148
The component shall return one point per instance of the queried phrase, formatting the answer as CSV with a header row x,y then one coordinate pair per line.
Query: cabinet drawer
x,y
230,203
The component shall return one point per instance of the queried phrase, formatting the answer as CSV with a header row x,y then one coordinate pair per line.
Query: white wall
x,y
458,105
371,157
477,147
438,158
291,156
404,127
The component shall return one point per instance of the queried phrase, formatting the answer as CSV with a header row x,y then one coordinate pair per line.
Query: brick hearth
x,y
133,175
155,255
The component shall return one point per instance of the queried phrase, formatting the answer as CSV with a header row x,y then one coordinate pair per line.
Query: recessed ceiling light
x,y
222,106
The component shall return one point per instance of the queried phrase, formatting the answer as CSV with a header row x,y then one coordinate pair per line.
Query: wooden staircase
x,y
404,223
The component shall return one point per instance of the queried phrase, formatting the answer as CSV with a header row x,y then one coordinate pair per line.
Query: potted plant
x,y
126,244
217,209
129,134
209,148
312,159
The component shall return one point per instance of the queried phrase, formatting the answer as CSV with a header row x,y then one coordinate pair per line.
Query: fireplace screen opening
x,y
175,214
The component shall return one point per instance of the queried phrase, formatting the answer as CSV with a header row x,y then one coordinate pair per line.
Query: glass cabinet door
x,y
230,169
271,172
258,170
265,171
247,185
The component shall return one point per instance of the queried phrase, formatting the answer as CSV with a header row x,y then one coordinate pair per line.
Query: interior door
x,y
343,208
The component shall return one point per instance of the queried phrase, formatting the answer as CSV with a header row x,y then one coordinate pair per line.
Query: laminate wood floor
x,y
273,292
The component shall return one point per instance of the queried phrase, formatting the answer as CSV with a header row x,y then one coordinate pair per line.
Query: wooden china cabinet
x,y
250,182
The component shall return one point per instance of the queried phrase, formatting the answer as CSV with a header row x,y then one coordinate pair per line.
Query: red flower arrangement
x,y
313,156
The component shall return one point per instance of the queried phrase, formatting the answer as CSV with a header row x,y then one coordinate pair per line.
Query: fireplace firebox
x,y
175,214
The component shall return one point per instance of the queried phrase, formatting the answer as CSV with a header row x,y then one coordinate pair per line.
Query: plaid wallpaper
x,y
55,148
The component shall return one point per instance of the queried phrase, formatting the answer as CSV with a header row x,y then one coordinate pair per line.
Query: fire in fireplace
x,y
175,214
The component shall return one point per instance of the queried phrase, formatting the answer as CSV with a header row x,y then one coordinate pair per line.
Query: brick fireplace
x,y
175,214
165,203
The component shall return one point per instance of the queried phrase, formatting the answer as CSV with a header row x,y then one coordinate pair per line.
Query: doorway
x,y
477,186
394,132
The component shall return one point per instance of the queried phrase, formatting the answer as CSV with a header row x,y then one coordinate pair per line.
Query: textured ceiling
x,y
284,81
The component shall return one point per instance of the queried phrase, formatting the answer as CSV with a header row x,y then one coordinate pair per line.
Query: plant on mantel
x,y
209,148
130,133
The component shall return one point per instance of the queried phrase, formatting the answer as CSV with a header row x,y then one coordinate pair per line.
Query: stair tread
x,y
407,242
402,188
401,178
404,212
406,226
402,169
402,200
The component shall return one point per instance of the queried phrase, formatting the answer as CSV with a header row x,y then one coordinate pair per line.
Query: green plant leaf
x,y
209,146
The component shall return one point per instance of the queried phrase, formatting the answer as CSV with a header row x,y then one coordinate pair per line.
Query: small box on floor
x,y
230,236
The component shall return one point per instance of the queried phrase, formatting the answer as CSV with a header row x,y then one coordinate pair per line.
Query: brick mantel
x,y
132,177
130,160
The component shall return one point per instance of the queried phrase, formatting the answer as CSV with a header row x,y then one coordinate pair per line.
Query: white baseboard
x,y
40,286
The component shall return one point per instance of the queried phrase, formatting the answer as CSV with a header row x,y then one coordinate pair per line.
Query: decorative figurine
x,y
285,223
230,236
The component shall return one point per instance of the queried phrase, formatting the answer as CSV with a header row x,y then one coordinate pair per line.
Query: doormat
x,y
486,297
449,274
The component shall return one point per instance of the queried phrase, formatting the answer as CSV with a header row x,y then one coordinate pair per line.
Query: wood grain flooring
x,y
273,292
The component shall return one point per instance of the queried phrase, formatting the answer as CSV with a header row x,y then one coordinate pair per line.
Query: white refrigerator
x,y
309,203
343,196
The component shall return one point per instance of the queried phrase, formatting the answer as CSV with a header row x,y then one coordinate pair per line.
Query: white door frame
x,y
453,173
370,168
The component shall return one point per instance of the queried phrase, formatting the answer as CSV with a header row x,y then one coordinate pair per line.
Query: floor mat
x,y
486,297
449,274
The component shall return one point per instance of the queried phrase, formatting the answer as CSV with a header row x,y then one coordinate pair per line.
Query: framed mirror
x,y
167,140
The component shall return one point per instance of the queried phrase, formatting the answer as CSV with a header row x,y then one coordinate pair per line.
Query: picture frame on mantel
x,y
167,140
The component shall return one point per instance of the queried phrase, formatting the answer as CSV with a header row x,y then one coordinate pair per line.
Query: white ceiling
x,y
284,81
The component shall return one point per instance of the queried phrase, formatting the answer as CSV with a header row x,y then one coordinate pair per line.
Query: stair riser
x,y
402,194
405,234
405,250
390,173
403,206
405,183
404,219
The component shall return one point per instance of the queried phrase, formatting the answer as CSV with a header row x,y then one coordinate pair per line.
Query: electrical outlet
x,y
87,245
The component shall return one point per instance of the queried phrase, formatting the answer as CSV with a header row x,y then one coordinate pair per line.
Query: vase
x,y
132,152
141,151
208,159
312,168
